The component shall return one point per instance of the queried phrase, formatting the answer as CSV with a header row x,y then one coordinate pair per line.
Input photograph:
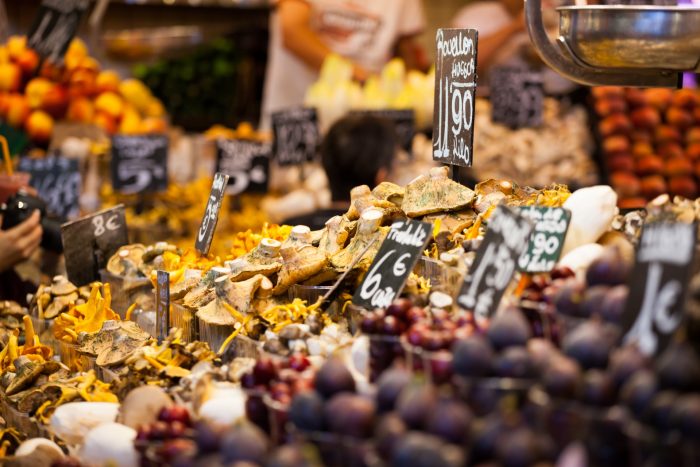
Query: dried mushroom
x,y
368,232
127,261
299,266
263,259
435,193
387,191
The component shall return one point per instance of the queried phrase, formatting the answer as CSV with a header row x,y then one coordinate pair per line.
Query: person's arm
x,y
299,38
491,44
20,242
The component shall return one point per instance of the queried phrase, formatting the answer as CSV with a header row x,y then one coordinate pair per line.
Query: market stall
x,y
536,317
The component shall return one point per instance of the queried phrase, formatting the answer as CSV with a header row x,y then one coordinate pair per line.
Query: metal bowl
x,y
620,37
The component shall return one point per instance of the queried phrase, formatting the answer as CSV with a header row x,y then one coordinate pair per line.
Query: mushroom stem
x,y
28,331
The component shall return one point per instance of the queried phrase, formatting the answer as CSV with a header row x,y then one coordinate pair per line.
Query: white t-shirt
x,y
488,17
364,31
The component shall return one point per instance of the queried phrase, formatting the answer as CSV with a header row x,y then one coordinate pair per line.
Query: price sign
x,y
54,27
140,163
162,305
455,84
58,182
404,122
88,243
393,263
506,239
211,215
247,163
296,136
517,97
547,239
663,266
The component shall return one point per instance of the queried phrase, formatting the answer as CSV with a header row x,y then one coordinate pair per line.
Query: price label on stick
x,y
455,85
296,136
88,243
58,182
162,305
547,239
496,259
247,163
205,234
404,122
393,263
658,285
139,163
54,27
517,97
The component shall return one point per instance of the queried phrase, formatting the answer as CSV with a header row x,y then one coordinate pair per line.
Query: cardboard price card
x,y
658,285
139,163
296,136
55,26
455,85
517,97
247,163
162,305
205,234
506,238
396,258
88,243
403,120
58,182
547,239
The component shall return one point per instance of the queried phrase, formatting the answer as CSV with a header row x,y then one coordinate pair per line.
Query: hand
x,y
20,242
359,73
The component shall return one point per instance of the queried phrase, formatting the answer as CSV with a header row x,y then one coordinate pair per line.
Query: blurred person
x,y
504,41
369,33
358,150
18,244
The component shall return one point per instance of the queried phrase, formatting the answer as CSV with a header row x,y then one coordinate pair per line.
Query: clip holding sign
x,y
506,238
664,266
89,242
296,136
205,234
455,100
393,263
162,305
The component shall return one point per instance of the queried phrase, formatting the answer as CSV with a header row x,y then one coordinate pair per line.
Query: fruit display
x,y
33,98
335,94
211,85
261,367
650,141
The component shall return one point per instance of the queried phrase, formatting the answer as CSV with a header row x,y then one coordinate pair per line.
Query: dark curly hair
x,y
353,152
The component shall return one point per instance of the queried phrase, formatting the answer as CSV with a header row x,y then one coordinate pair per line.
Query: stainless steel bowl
x,y
620,37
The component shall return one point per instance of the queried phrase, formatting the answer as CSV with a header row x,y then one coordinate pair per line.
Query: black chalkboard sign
x,y
547,239
247,163
58,182
403,120
162,305
455,86
658,285
517,97
506,239
296,136
393,263
88,243
139,163
55,26
205,234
